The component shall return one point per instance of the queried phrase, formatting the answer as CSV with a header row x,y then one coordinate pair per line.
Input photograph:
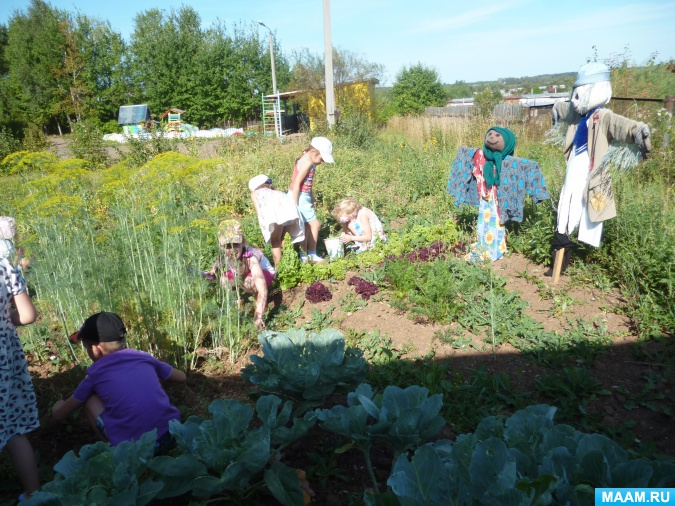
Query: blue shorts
x,y
305,207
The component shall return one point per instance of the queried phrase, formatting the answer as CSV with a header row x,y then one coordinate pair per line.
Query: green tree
x,y
309,74
106,76
460,89
308,70
35,48
212,74
163,50
487,99
417,87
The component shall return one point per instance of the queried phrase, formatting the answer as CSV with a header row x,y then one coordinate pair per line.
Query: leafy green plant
x,y
305,367
320,321
286,317
352,302
88,143
223,454
572,388
104,475
580,343
456,338
401,418
533,236
525,460
8,143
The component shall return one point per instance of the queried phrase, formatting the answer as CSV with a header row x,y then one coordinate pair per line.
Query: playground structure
x,y
173,122
134,120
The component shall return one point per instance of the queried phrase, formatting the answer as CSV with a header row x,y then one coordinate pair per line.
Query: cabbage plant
x,y
103,475
304,367
401,418
223,454
527,460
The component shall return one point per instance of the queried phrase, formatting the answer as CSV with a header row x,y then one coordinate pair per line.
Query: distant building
x,y
542,99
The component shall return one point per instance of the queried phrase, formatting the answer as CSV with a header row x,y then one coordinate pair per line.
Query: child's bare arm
x,y
260,284
255,202
174,378
62,409
25,312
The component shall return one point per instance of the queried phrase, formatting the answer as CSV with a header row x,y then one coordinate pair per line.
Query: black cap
x,y
101,327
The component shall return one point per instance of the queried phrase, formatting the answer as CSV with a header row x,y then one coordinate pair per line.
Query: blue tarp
x,y
133,114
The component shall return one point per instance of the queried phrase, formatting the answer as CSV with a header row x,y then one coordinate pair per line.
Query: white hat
x,y
590,73
258,180
325,147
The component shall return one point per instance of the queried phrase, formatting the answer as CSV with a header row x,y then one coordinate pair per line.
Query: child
x,y
360,225
319,151
7,250
18,406
7,233
237,262
277,215
123,394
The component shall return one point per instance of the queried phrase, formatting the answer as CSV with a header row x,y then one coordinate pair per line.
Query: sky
x,y
468,41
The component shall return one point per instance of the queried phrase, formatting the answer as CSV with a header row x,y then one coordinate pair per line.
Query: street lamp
x,y
274,74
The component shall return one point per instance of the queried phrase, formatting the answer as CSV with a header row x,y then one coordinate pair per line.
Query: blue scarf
x,y
581,135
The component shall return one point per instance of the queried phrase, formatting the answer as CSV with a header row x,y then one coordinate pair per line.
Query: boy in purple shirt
x,y
123,394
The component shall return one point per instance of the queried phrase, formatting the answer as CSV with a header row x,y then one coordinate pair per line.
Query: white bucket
x,y
334,247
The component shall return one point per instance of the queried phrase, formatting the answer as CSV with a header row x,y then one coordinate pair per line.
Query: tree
x,y
459,90
163,49
308,74
106,75
211,74
35,48
417,87
487,100
308,70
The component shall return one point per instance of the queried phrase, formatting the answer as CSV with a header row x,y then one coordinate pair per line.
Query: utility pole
x,y
328,57
274,73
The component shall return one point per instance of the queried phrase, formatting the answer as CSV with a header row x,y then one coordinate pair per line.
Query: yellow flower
x,y
486,215
489,237
502,246
485,255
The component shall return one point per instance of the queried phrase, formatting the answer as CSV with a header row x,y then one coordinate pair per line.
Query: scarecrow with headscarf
x,y
497,182
586,199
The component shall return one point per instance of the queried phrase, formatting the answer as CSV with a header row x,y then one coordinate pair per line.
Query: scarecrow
x,y
497,182
586,199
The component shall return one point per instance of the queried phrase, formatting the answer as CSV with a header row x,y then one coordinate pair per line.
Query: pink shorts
x,y
269,277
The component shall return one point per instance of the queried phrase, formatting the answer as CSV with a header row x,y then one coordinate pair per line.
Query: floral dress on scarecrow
x,y
491,234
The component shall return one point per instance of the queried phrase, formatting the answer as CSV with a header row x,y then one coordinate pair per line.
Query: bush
x,y
88,143
8,143
34,139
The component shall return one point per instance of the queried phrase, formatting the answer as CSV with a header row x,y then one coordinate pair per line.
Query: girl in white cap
x,y
277,215
320,150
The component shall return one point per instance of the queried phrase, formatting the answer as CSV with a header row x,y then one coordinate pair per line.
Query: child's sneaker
x,y
315,258
303,257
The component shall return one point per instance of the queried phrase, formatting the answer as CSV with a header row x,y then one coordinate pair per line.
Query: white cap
x,y
325,147
590,73
258,180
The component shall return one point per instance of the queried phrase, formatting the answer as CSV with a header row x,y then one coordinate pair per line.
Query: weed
x,y
320,320
571,389
455,337
286,317
352,302
323,467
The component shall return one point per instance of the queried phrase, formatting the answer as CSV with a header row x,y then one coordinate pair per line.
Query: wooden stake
x,y
557,265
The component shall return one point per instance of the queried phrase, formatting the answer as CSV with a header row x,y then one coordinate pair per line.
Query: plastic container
x,y
334,247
